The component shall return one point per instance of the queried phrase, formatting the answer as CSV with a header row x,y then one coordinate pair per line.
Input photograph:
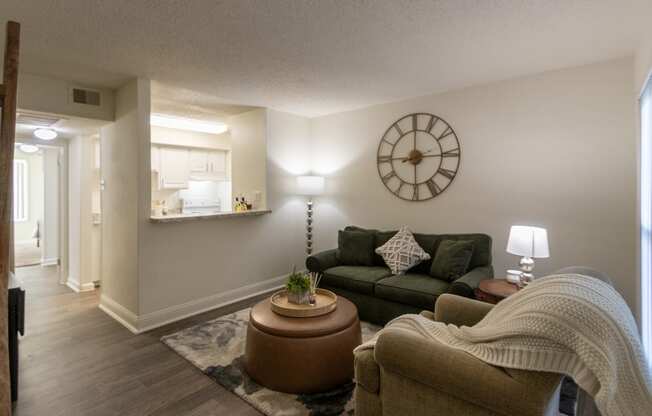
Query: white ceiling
x,y
315,57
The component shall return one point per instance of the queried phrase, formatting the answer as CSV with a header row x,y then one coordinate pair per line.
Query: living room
x,y
458,119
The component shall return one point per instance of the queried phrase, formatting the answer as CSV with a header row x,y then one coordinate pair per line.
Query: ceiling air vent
x,y
35,119
86,97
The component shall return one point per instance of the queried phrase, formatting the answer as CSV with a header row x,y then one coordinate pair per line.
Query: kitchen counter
x,y
217,215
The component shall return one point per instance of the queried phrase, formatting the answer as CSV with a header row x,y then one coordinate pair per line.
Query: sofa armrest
x,y
465,285
322,261
459,374
457,310
367,372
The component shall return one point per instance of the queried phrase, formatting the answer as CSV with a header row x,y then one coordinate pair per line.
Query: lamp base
x,y
527,266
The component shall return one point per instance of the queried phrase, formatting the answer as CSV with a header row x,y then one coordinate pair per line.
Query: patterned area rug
x,y
217,348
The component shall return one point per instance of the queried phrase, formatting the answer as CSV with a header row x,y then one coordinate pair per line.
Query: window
x,y
20,191
646,219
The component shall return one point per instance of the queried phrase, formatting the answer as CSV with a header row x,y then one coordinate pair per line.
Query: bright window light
x,y
20,208
45,134
178,123
646,219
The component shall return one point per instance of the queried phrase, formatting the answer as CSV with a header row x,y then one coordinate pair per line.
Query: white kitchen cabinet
x,y
217,163
156,159
175,167
199,161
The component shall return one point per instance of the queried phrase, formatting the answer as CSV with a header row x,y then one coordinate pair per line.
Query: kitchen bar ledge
x,y
218,215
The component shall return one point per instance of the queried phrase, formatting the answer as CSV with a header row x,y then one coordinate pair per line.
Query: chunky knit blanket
x,y
570,324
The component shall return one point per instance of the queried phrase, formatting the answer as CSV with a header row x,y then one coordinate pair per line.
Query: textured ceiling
x,y
315,57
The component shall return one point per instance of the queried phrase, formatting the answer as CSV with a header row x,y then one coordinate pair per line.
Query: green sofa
x,y
381,296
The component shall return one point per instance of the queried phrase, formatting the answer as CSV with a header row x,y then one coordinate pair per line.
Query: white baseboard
x,y
53,261
74,284
142,323
175,313
118,312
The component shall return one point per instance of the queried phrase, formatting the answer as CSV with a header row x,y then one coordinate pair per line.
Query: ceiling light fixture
x,y
45,134
28,148
178,123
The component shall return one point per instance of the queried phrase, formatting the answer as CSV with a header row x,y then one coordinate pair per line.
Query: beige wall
x,y
174,137
199,264
121,170
50,95
24,230
248,156
555,150
52,191
80,219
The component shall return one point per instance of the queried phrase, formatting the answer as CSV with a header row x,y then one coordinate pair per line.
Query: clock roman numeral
x,y
431,123
415,193
433,187
388,176
398,129
398,190
385,159
447,173
414,121
451,153
446,133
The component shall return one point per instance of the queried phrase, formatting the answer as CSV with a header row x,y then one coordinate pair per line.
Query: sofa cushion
x,y
481,247
355,248
419,290
359,279
402,252
452,259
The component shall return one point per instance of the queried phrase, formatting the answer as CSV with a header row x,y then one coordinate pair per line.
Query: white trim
x,y
118,312
175,313
52,261
74,284
143,323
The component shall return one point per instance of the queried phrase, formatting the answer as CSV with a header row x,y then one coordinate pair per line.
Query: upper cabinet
x,y
175,168
177,165
198,161
208,165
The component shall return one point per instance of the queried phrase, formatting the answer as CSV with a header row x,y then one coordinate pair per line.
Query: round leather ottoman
x,y
302,355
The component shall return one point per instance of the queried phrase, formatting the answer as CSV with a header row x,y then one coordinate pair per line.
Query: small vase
x,y
300,298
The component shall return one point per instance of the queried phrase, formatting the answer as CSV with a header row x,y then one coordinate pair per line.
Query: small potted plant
x,y
298,288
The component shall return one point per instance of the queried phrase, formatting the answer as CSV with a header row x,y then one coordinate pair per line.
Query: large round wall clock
x,y
418,157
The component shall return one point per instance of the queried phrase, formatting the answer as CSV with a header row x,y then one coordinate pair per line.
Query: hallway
x,y
76,360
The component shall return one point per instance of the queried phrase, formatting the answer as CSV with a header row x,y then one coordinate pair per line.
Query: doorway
x,y
28,205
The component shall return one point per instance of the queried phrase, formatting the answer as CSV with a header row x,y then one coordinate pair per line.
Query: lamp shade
x,y
528,241
310,185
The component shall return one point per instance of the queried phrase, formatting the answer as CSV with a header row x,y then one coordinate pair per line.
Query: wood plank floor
x,y
76,360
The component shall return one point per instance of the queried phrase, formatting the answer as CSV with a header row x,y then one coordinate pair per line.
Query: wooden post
x,y
7,142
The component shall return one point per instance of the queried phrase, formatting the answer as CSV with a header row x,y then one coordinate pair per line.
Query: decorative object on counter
x,y
514,276
298,288
530,243
241,204
310,185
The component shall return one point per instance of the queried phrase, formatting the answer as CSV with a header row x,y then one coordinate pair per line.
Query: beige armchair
x,y
407,375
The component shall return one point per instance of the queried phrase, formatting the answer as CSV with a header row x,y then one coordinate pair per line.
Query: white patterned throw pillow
x,y
402,252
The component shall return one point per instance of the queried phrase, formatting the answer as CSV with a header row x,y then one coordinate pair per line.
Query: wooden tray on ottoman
x,y
325,302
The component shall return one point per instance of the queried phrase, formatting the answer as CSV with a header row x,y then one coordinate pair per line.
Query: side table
x,y
494,290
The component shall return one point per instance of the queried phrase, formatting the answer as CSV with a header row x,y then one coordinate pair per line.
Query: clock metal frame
x,y
416,156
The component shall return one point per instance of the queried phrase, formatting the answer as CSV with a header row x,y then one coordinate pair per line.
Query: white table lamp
x,y
530,243
310,185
